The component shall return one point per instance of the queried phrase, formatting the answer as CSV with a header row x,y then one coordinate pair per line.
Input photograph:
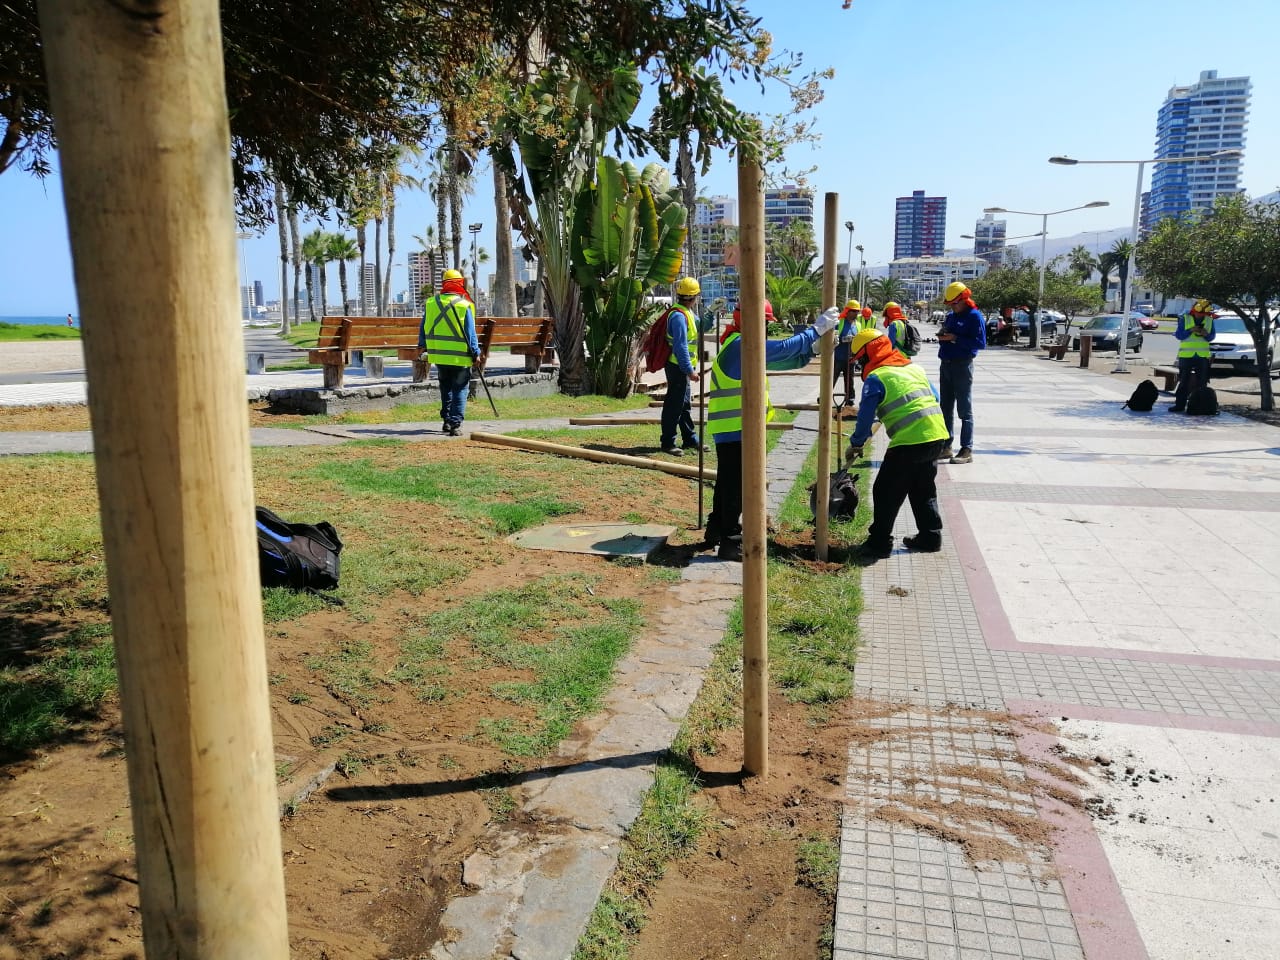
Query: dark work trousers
x,y
455,383
843,367
1192,372
907,473
725,521
955,391
676,410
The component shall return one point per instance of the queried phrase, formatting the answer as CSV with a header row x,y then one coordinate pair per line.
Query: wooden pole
x,y
598,456
607,420
755,571
138,93
829,240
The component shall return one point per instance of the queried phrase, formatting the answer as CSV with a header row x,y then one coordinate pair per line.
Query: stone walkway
x,y
1109,590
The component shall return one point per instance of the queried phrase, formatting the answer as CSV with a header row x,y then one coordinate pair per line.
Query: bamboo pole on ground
x,y
831,222
597,456
755,571
610,421
142,133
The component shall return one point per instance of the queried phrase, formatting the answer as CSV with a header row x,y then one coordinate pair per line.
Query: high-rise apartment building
x,y
920,226
368,288
988,239
714,233
424,273
1205,117
788,204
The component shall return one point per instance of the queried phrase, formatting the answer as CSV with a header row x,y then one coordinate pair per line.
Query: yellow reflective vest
x,y
724,400
444,330
1195,345
692,334
909,410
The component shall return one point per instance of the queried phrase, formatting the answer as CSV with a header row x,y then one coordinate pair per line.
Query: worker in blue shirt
x,y
724,422
962,334
1194,334
683,336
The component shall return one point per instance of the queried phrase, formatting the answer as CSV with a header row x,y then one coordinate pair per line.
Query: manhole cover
x,y
608,539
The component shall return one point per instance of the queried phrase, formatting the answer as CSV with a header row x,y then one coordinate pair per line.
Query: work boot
x,y
673,451
946,454
455,431
731,549
694,446
964,456
923,542
873,549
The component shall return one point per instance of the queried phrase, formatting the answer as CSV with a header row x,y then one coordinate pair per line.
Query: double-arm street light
x,y
1121,365
475,228
862,271
1000,249
1034,323
848,278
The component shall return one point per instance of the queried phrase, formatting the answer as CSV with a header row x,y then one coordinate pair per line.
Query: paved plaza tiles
x,y
1085,687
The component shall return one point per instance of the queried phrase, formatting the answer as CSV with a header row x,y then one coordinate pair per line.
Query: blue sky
x,y
960,99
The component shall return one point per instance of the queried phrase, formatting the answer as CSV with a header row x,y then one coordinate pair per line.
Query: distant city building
x,y
368,288
1202,118
258,299
988,239
926,277
718,209
714,232
424,272
247,304
919,226
788,204
313,289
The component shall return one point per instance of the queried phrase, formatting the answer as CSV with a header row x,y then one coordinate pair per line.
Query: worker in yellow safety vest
x,y
898,393
448,335
683,337
1194,334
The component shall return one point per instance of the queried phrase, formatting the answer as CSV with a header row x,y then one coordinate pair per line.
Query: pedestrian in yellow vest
x,y
898,393
448,336
683,337
1194,334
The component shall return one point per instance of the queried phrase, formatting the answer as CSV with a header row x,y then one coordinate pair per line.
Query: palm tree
x,y
315,250
793,298
1122,250
342,249
1106,263
882,290
1081,262
295,257
282,228
504,285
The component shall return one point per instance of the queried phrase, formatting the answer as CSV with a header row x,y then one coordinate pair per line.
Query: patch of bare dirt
x,y
372,856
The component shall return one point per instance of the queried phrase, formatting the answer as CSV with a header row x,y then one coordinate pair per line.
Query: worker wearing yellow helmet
x,y
843,365
962,334
898,393
682,336
1194,333
448,336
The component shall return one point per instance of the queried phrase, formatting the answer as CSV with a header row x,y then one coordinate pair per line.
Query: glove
x,y
853,453
830,317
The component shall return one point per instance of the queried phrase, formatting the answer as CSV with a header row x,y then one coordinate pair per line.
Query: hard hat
x,y
768,313
687,287
955,291
1202,307
853,305
453,275
892,311
862,338
866,311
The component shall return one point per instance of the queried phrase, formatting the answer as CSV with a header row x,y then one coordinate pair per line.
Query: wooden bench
x,y
1170,375
529,336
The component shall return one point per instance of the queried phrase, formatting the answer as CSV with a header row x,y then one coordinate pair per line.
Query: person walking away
x,y
895,325
843,367
70,322
683,337
724,422
899,394
448,335
962,334
1194,334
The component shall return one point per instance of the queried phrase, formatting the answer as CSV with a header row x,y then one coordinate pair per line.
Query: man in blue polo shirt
x,y
962,334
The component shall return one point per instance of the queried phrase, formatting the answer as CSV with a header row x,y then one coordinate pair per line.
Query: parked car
x,y
1147,322
1105,333
1146,309
1233,346
1049,320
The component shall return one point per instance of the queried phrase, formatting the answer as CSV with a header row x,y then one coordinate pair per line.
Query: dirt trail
x,y
41,357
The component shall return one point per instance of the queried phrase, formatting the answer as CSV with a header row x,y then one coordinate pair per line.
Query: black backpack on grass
x,y
1144,397
842,503
1202,402
300,556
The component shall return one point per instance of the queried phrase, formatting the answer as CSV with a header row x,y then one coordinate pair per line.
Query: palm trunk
x,y
361,242
687,176
283,230
455,207
324,289
377,268
296,257
342,282
504,291
311,293
442,227
391,246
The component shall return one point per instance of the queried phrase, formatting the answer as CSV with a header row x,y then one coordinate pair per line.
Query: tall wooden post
x,y
755,574
829,267
138,94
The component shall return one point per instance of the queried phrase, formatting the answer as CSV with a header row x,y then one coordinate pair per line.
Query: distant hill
x,y
1095,241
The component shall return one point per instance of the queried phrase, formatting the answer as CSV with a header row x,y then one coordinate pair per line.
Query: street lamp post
x,y
242,236
475,229
998,250
848,280
1121,360
862,272
1033,326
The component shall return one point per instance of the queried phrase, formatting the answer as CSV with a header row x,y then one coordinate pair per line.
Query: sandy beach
x,y
35,357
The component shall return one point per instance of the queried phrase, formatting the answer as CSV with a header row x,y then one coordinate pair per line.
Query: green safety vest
x,y
897,330
1195,345
692,335
909,411
724,400
444,330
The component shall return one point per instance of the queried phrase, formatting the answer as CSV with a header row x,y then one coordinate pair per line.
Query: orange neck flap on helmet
x,y
880,353
457,286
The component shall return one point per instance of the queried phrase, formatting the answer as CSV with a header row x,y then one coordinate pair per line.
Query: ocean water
x,y
37,321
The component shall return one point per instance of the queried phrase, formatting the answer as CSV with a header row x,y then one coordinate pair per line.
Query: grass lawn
x,y
18,332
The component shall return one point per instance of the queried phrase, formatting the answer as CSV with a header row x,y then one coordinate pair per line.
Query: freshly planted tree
x,y
629,228
1229,255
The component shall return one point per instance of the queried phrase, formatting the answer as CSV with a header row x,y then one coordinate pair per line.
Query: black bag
x,y
301,556
843,502
911,339
1202,402
1144,397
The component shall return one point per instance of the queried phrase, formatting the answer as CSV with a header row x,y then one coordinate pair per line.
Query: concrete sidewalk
x,y
1096,649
